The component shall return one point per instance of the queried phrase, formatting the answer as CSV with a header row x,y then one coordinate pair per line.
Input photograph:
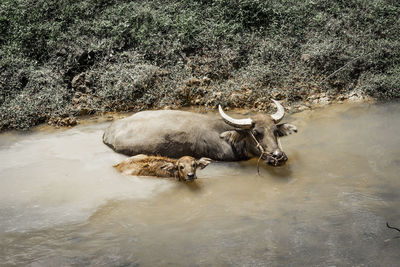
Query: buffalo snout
x,y
190,177
277,158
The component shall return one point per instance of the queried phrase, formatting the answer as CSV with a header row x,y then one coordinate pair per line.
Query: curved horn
x,y
279,113
237,123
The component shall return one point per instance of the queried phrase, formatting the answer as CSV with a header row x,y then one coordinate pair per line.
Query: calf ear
x,y
169,166
286,129
233,136
203,162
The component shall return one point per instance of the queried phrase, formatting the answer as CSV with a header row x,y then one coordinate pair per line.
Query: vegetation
x,y
65,58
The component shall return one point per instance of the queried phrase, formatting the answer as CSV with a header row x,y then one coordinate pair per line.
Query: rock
x,y
198,82
69,121
277,95
63,122
193,82
301,107
340,98
355,96
312,97
321,100
82,111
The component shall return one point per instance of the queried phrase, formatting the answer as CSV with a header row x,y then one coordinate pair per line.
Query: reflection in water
x,y
62,204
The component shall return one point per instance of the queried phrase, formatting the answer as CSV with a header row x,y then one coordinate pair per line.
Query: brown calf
x,y
142,165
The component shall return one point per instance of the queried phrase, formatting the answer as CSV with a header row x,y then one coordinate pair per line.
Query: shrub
x,y
140,54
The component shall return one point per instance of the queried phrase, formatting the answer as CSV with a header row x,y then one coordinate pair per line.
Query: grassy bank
x,y
62,58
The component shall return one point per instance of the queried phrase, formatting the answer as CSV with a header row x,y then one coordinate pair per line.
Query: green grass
x,y
132,55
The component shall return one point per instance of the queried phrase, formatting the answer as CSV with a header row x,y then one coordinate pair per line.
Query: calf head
x,y
259,135
186,166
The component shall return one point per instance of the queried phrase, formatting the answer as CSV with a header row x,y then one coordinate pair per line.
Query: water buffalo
x,y
173,133
184,168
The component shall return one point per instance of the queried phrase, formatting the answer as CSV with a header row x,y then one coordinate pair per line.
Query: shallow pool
x,y
62,203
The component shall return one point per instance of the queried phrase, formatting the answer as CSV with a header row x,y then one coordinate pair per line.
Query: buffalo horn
x,y
237,123
279,113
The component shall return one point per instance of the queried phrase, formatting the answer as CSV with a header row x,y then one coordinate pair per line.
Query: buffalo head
x,y
259,135
186,167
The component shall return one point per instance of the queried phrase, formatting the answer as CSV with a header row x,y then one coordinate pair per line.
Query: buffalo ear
x,y
286,129
169,166
233,137
203,162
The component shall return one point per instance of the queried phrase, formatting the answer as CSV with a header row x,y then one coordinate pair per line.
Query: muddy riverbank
x,y
312,102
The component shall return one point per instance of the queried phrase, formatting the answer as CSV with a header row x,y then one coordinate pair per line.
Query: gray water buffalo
x,y
175,134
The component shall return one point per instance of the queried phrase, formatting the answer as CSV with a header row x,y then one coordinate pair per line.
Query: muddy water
x,y
62,204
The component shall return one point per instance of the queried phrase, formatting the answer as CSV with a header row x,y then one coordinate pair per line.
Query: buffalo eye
x,y
193,164
181,167
276,131
257,133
